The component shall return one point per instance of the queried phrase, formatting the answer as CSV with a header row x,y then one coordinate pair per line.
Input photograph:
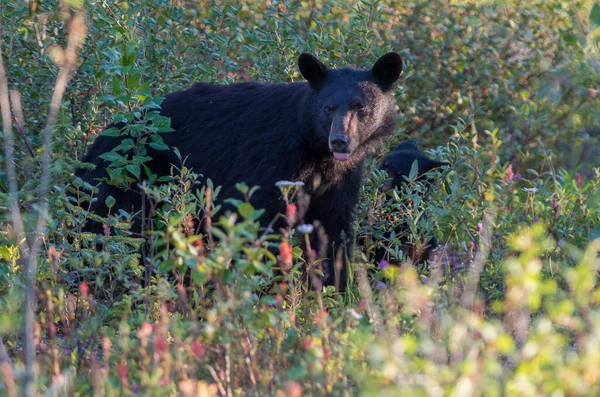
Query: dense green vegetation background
x,y
506,91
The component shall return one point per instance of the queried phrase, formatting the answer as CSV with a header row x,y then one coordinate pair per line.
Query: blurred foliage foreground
x,y
506,92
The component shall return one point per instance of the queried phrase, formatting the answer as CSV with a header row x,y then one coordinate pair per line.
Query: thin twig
x,y
217,380
481,256
228,372
15,99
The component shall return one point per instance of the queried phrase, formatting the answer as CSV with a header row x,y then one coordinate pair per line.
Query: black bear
x,y
398,165
317,132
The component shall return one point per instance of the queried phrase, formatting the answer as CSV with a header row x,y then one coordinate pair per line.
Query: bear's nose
x,y
339,143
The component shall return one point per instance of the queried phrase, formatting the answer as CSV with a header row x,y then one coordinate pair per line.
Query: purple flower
x,y
517,177
535,219
383,264
425,279
472,244
381,285
479,226
497,234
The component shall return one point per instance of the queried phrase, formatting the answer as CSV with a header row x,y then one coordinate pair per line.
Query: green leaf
x,y
134,169
133,80
594,201
157,138
235,202
256,214
111,156
158,146
117,85
110,201
126,145
140,159
242,188
107,98
246,210
112,131
254,189
260,267
165,128
199,277
114,173
129,55
447,187
570,38
297,252
595,14
148,172
414,171
167,266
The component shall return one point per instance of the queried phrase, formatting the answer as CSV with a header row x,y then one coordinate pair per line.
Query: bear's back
x,y
242,132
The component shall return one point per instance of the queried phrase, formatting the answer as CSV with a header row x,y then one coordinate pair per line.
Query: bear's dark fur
x,y
397,165
318,132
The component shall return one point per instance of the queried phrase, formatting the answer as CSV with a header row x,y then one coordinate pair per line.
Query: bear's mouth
x,y
340,156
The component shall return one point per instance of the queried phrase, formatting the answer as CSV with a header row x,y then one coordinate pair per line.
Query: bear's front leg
x,y
332,241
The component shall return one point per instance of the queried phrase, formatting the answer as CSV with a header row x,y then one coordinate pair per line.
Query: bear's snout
x,y
339,143
342,135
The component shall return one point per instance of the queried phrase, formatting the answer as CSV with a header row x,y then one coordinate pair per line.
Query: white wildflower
x,y
355,314
289,183
305,229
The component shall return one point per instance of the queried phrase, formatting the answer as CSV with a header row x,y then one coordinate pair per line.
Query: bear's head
x,y
352,106
398,164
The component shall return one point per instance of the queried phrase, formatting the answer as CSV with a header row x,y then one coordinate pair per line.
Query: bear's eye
x,y
357,105
328,109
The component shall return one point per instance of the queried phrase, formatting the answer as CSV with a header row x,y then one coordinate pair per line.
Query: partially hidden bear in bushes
x,y
317,132
398,165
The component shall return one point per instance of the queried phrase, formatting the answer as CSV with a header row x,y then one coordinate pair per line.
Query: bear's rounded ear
x,y
313,70
387,69
408,146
